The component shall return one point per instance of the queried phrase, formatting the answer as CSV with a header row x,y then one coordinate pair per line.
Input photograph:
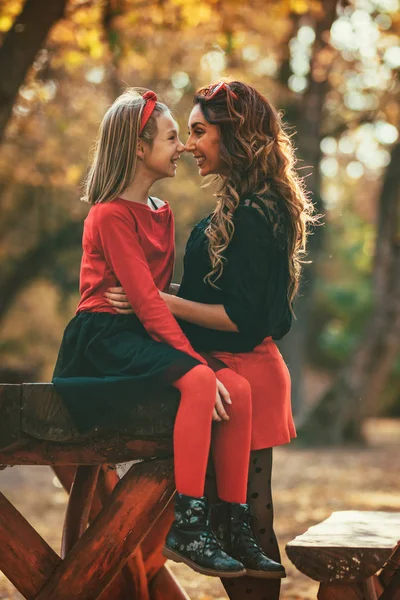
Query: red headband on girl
x,y
151,101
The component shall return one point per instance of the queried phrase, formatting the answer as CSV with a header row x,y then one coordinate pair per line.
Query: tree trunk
x,y
31,264
309,133
20,47
354,396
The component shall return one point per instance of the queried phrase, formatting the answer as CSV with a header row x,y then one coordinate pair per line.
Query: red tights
x,y
229,440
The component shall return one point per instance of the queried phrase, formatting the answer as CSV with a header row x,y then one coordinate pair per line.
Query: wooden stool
x,y
345,552
110,546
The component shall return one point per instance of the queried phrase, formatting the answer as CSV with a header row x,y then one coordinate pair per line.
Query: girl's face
x,y
205,142
160,158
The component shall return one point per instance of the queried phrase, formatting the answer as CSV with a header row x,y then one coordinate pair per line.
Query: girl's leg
x,y
260,500
192,429
191,539
231,439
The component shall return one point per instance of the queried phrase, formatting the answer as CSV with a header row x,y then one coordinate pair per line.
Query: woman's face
x,y
205,142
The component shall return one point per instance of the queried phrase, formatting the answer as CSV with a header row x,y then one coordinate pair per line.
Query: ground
x,y
308,486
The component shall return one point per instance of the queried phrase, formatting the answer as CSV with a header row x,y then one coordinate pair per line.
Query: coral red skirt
x,y
269,379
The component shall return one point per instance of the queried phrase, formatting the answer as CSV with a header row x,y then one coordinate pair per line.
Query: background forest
x,y
330,66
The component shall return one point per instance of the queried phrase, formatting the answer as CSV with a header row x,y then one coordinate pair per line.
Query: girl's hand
x,y
118,299
219,413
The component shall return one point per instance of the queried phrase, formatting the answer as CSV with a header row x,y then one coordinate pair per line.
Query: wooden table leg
x,y
115,534
132,581
154,541
164,586
390,577
161,587
25,558
66,474
340,591
368,589
392,590
133,573
79,505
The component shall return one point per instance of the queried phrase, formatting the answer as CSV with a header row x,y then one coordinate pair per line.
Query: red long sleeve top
x,y
130,244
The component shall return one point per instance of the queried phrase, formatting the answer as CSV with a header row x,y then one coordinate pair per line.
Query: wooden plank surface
x,y
111,449
45,417
348,546
30,412
10,411
353,529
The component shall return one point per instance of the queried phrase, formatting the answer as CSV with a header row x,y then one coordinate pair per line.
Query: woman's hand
x,y
219,412
118,299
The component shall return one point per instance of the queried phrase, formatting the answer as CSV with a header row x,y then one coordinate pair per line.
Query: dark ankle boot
x,y
192,541
233,527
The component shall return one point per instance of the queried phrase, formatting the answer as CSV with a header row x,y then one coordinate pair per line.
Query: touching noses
x,y
190,145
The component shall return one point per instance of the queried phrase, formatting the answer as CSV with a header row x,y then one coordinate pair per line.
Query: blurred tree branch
x,y
20,47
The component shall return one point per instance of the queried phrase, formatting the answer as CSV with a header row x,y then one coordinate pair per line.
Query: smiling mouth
x,y
200,160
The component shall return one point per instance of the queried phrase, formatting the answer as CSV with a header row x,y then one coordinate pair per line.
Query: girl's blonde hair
x,y
260,162
115,153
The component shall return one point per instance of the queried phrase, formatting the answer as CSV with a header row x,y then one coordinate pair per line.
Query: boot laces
x,y
249,538
247,535
211,542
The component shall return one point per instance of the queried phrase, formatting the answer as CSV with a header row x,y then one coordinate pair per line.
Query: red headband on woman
x,y
151,101
215,89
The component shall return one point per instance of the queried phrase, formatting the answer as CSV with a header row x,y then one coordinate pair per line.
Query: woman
x,y
241,274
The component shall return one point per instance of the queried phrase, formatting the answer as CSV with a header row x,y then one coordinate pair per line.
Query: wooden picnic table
x,y
114,528
345,553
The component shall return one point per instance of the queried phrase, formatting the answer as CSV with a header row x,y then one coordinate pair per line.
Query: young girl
x,y
107,359
241,273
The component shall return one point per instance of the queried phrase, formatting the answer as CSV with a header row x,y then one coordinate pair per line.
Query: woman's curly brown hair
x,y
260,161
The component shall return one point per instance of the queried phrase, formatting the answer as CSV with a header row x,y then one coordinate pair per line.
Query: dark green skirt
x,y
106,362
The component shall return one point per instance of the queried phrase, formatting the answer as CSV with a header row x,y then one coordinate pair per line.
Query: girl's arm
x,y
125,256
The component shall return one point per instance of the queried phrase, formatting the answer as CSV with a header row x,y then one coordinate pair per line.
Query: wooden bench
x,y
110,546
346,551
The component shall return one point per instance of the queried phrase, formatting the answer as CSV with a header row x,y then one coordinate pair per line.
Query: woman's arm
x,y
211,316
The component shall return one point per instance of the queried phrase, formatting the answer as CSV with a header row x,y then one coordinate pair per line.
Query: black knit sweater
x,y
254,283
